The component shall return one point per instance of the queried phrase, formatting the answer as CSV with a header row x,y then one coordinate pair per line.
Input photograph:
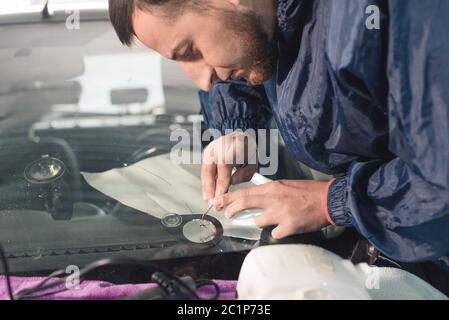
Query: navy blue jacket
x,y
371,104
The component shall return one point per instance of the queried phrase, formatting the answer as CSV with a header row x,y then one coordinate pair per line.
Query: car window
x,y
75,106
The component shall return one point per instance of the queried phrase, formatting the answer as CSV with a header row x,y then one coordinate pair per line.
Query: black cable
x,y
41,285
43,295
172,288
125,261
383,258
6,272
30,292
204,283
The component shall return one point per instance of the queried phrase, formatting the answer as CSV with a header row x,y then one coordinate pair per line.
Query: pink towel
x,y
98,290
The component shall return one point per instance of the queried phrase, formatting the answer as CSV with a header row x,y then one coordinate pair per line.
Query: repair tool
x,y
210,208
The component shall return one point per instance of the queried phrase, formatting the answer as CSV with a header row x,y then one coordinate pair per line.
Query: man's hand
x,y
295,206
221,156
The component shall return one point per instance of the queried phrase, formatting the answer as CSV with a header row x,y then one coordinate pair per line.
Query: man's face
x,y
221,43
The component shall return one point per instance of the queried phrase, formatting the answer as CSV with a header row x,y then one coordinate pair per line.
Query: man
x,y
369,104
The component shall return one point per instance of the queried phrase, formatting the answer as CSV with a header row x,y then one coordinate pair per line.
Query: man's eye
x,y
189,54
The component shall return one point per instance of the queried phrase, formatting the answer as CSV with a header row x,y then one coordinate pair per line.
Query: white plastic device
x,y
305,272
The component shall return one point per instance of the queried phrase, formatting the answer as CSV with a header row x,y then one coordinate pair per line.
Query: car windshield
x,y
85,170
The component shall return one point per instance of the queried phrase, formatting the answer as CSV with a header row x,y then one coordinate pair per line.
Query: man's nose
x,y
202,74
223,74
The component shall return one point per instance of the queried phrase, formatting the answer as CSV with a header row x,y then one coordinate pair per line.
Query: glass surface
x,y
75,100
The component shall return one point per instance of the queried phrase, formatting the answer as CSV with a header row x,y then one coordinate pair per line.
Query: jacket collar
x,y
291,15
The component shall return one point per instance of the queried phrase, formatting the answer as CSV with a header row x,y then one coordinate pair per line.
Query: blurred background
x,y
46,42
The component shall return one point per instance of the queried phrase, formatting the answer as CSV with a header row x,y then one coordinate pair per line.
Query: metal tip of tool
x,y
204,214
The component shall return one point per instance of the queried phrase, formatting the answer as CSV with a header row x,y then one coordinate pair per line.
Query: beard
x,y
258,49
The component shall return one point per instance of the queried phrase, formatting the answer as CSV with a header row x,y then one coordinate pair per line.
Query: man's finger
x,y
267,219
226,199
282,231
246,203
208,178
223,179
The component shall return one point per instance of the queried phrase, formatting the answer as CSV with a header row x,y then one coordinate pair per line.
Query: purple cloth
x,y
98,290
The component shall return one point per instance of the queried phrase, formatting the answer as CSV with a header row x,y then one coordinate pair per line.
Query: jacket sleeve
x,y
232,105
402,205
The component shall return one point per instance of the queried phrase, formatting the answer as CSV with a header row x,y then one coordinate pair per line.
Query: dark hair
x,y
121,12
